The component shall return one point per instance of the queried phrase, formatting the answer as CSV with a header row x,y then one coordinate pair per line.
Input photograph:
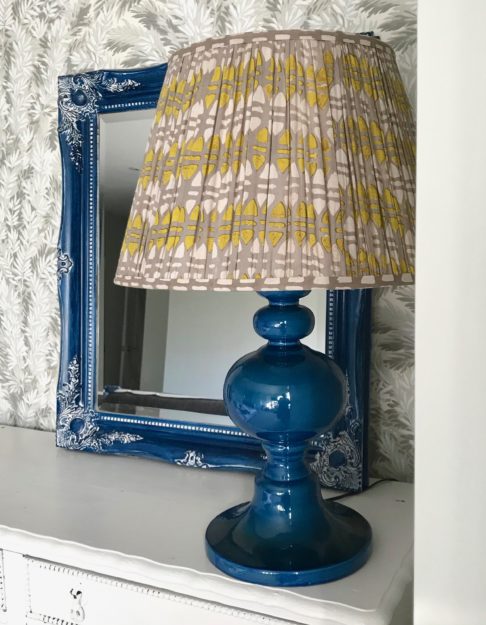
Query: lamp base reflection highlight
x,y
285,394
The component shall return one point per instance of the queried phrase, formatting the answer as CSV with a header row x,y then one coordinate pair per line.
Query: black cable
x,y
344,495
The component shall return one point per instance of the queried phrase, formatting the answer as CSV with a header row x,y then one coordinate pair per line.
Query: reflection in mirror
x,y
154,345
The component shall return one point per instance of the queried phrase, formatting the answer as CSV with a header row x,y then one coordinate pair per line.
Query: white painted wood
x,y
143,522
403,614
3,598
55,592
15,588
450,573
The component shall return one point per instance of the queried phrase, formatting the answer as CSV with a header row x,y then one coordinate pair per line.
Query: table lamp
x,y
279,162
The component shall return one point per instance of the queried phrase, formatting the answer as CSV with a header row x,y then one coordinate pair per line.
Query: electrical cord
x,y
344,495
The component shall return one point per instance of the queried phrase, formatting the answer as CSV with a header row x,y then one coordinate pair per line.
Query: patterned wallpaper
x,y
40,39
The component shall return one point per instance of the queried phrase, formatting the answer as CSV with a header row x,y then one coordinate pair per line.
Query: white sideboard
x,y
106,540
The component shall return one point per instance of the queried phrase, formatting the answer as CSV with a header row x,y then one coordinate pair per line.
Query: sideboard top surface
x,y
145,521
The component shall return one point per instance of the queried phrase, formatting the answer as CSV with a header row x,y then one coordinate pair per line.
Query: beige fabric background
x,y
40,39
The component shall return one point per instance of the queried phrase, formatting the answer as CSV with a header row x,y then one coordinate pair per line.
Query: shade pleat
x,y
278,160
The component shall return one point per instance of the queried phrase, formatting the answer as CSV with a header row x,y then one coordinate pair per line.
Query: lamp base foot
x,y
342,548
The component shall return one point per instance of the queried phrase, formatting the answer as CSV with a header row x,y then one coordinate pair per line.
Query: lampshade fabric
x,y
280,160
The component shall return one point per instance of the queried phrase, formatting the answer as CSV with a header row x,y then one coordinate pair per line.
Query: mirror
x,y
158,393
164,350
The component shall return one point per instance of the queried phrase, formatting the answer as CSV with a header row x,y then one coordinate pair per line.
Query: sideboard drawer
x,y
61,594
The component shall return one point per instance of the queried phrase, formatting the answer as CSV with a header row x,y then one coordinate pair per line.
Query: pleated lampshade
x,y
276,161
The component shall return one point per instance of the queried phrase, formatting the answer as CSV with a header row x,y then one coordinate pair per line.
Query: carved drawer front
x,y
63,595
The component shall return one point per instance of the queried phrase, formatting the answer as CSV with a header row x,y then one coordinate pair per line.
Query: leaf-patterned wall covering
x,y
40,39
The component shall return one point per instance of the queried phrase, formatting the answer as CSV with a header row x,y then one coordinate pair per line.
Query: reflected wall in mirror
x,y
141,371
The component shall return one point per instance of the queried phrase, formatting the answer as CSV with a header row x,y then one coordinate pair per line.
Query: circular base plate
x,y
251,559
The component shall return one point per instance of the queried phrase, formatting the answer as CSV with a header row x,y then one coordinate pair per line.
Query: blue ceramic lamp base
x,y
284,394
344,549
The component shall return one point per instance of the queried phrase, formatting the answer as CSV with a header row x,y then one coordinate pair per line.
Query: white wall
x,y
154,340
450,571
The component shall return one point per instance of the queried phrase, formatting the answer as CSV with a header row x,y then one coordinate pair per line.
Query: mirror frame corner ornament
x,y
339,456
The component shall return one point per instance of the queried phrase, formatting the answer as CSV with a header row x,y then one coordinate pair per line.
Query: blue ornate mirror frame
x,y
339,456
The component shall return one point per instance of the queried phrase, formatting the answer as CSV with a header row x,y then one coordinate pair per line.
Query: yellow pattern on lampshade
x,y
276,161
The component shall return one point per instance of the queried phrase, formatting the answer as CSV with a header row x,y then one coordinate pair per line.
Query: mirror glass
x,y
164,353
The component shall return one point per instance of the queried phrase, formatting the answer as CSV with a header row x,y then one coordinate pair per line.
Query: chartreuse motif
x,y
262,173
